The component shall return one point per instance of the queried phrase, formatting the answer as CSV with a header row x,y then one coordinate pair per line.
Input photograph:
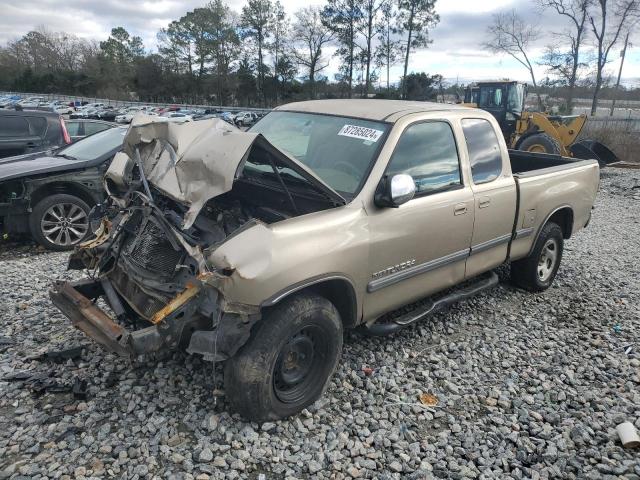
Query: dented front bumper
x,y
223,332
74,300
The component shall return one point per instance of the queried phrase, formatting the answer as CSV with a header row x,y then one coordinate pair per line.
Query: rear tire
x,y
59,222
288,361
537,271
540,143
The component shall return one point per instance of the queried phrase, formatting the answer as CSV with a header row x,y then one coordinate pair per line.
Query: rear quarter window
x,y
13,127
484,150
37,126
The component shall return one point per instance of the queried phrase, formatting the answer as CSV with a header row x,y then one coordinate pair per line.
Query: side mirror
x,y
394,191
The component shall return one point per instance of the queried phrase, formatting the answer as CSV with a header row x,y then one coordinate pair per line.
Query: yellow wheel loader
x,y
534,131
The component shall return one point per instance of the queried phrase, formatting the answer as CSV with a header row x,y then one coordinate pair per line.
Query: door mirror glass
x,y
394,191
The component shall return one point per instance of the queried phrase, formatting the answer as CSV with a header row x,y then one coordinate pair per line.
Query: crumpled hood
x,y
197,161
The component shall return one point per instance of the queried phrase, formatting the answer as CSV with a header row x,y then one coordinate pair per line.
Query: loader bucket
x,y
594,150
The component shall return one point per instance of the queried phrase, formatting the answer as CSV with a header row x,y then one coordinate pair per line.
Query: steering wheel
x,y
350,169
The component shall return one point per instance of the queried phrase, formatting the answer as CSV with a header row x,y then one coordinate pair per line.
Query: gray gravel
x,y
528,386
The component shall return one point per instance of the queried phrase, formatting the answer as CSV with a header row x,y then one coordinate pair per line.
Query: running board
x,y
430,307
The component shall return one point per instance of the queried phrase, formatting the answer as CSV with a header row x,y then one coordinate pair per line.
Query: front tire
x,y
288,361
540,143
537,271
60,221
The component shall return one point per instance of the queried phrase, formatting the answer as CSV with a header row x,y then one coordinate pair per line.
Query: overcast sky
x,y
455,52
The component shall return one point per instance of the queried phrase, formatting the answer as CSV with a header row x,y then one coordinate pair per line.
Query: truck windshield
x,y
338,149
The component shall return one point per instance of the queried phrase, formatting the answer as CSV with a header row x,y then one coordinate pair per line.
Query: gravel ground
x,y
528,386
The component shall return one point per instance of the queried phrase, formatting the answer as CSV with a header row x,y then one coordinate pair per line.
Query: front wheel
x,y
540,143
537,271
60,221
287,362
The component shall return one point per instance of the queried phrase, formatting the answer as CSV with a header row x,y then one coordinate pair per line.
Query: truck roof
x,y
370,109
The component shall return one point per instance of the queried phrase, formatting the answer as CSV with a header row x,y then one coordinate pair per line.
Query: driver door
x,y
421,246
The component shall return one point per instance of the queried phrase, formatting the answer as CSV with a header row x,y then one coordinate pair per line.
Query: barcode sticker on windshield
x,y
363,133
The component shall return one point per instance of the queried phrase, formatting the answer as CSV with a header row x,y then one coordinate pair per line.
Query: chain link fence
x,y
125,103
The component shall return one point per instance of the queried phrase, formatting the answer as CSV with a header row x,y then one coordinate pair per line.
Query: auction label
x,y
362,133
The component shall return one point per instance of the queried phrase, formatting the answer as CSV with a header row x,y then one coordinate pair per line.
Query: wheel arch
x,y
336,288
561,216
69,188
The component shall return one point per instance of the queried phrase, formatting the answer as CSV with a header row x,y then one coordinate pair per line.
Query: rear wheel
x,y
540,143
60,221
537,271
288,361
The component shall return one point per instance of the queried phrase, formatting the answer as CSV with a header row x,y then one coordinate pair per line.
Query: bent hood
x,y
197,161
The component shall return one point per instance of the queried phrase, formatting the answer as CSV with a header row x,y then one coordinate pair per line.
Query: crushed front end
x,y
176,193
156,295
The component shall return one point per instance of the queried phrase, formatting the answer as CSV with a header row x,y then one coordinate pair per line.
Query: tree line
x,y
600,24
260,57
264,56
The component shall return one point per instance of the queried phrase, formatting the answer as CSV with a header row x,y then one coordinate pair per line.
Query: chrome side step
x,y
379,329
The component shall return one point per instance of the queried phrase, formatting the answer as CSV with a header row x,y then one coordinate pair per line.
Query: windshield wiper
x,y
64,155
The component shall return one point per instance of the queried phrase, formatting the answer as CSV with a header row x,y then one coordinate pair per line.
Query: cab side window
x,y
13,126
483,148
427,151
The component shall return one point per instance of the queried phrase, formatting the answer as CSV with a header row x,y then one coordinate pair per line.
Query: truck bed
x,y
547,184
527,163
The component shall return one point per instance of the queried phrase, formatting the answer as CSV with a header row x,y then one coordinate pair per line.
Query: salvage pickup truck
x,y
259,248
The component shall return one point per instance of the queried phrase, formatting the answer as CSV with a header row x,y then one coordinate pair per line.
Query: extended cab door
x,y
495,196
420,247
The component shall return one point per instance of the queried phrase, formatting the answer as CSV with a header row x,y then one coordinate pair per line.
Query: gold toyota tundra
x,y
259,248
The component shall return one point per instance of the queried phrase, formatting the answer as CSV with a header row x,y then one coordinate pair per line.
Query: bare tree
x,y
608,18
310,35
415,18
567,64
511,35
623,53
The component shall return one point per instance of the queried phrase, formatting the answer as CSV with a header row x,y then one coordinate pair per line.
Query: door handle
x,y
460,209
484,202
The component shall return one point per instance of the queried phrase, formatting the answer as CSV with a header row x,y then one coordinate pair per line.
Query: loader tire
x,y
540,143
287,362
537,271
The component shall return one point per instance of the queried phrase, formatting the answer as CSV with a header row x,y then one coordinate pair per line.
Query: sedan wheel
x,y
60,221
64,224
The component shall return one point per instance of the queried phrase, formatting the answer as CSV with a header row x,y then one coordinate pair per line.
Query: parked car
x,y
61,108
325,215
9,100
30,131
246,119
128,115
80,128
227,117
108,113
175,117
50,196
87,112
32,102
77,103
